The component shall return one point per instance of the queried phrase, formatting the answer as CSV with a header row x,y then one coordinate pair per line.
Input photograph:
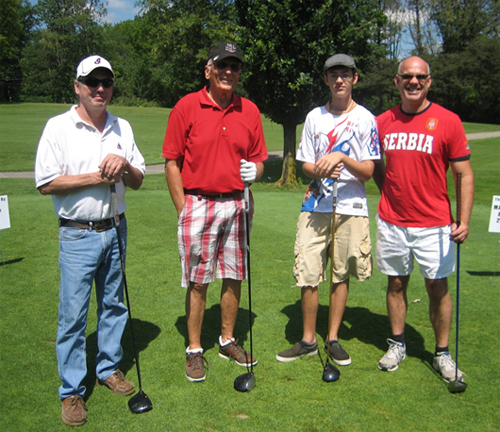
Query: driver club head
x,y
330,373
456,386
245,382
140,403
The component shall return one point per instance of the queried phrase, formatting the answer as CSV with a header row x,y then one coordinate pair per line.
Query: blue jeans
x,y
86,256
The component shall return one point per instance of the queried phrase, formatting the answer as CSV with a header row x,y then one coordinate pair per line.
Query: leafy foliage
x,y
462,81
15,27
68,31
181,32
286,44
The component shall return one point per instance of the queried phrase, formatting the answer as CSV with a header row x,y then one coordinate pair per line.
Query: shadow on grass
x,y
12,261
144,332
211,329
483,273
358,323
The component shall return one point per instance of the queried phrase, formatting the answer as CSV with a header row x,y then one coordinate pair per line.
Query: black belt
x,y
216,195
98,226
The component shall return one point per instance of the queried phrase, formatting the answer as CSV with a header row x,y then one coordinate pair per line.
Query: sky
x,y
120,10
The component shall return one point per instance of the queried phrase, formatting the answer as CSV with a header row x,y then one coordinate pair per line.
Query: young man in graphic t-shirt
x,y
339,144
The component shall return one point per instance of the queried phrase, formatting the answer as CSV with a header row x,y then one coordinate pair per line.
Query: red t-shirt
x,y
418,149
212,141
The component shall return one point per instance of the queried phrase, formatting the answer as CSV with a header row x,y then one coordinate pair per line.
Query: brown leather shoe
x,y
118,384
74,411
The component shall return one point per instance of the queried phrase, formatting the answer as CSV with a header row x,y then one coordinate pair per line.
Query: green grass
x,y
18,141
21,126
287,397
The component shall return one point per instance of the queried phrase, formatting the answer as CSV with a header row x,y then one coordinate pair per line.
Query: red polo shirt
x,y
211,141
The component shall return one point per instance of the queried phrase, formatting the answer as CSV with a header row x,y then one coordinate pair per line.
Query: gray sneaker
x,y
299,350
444,365
338,354
394,355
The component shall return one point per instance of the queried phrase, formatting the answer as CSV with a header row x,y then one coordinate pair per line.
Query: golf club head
x,y
330,373
456,386
140,403
245,382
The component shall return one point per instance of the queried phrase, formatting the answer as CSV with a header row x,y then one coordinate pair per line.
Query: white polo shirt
x,y
70,146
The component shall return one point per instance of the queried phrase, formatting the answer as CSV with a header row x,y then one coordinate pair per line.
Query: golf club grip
x,y
334,194
246,196
114,204
459,197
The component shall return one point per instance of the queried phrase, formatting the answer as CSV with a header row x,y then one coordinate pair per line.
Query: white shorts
x,y
430,247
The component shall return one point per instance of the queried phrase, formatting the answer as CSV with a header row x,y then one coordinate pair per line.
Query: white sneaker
x,y
394,355
444,364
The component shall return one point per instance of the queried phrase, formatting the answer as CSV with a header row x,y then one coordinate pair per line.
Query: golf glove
x,y
248,171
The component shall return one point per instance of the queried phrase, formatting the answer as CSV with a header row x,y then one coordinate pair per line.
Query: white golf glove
x,y
248,171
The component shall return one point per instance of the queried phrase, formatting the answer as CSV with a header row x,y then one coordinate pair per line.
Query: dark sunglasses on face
x,y
409,77
94,82
222,65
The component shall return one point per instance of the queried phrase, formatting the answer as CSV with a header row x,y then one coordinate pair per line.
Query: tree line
x,y
159,56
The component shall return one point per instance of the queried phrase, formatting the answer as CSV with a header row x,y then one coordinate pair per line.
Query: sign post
x,y
4,218
495,215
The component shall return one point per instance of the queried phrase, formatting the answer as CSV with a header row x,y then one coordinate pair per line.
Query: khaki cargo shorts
x,y
352,248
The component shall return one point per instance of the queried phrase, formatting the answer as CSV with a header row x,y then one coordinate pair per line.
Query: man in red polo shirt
x,y
214,143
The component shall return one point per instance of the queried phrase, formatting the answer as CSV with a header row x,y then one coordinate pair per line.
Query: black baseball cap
x,y
340,60
225,50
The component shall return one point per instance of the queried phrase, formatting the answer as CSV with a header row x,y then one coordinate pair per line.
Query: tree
x,y
181,33
15,28
460,21
286,44
465,82
68,31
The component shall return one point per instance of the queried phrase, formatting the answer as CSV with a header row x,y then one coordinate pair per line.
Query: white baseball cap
x,y
89,64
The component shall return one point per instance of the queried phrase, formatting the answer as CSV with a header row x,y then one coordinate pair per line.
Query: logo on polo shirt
x,y
431,124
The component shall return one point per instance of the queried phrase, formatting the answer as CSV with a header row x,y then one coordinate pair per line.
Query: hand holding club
x,y
248,171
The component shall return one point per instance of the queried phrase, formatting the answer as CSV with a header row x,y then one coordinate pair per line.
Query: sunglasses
x,y
94,82
408,77
222,65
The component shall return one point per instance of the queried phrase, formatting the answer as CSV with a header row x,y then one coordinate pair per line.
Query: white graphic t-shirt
x,y
354,134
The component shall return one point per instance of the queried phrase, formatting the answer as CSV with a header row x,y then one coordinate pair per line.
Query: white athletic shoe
x,y
444,364
394,355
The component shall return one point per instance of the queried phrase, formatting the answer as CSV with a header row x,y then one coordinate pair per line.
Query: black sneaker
x,y
195,370
299,350
338,354
232,351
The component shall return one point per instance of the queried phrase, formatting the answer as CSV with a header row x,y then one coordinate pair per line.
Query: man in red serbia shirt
x,y
420,141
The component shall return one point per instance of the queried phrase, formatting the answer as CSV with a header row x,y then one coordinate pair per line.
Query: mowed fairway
x,y
287,396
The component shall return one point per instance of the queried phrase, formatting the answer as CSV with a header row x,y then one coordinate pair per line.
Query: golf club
x,y
457,386
140,402
246,381
330,372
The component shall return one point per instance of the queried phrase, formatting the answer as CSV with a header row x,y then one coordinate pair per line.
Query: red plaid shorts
x,y
212,237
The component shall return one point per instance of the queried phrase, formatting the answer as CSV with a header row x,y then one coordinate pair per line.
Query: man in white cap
x,y
340,144
80,154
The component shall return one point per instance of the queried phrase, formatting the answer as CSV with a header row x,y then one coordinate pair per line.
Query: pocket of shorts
x,y
365,247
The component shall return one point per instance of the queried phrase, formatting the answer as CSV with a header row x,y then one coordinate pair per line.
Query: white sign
x,y
495,215
4,212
